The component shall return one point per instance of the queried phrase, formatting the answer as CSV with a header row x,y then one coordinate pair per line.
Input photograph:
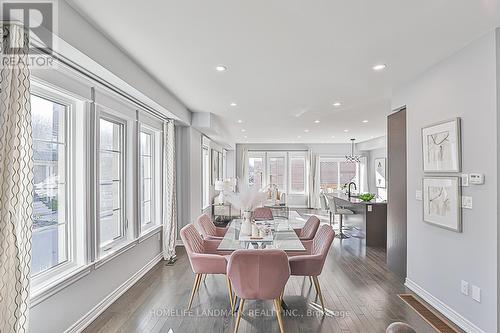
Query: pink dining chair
x,y
259,274
208,229
204,258
262,213
309,229
311,263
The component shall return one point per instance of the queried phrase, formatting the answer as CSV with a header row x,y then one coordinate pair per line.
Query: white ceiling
x,y
289,60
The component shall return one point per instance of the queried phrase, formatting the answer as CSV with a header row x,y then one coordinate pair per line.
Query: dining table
x,y
283,237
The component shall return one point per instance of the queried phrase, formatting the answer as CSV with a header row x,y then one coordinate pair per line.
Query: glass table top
x,y
284,237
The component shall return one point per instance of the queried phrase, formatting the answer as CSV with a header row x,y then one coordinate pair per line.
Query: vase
x,y
246,224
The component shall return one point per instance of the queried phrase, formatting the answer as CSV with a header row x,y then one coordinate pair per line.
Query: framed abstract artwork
x,y
441,148
380,172
442,202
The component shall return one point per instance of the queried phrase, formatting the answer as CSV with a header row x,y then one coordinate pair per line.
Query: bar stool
x,y
337,210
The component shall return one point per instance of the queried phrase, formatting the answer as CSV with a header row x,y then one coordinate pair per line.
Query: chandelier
x,y
352,158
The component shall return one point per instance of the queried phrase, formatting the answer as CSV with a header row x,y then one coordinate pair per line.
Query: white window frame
x,y
75,243
338,160
155,179
262,155
303,156
104,249
283,155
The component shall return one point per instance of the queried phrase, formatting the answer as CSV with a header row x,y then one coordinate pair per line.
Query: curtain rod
x,y
105,83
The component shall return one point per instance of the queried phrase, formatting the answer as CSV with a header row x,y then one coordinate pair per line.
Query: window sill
x,y
40,293
115,252
150,232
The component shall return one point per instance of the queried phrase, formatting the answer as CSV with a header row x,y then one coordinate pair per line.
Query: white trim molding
x,y
88,318
443,308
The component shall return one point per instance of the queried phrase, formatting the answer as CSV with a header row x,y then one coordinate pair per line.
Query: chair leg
x,y
233,306
195,286
311,280
205,278
330,218
318,289
230,290
281,295
277,307
240,310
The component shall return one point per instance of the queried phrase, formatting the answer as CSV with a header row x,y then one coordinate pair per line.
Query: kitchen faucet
x,y
349,188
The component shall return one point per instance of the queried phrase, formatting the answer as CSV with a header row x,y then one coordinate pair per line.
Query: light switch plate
x,y
370,208
476,293
465,179
464,287
476,178
418,195
466,202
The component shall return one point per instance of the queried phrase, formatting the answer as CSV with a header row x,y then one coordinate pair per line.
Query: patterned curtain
x,y
169,191
16,182
244,168
314,186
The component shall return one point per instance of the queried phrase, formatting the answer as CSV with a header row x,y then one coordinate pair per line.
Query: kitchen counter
x,y
369,221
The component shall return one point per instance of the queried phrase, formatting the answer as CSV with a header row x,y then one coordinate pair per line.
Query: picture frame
x,y
442,202
441,146
380,172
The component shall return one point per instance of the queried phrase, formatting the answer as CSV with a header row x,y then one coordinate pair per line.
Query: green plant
x,y
366,196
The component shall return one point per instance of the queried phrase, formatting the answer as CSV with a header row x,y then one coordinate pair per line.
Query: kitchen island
x,y
369,221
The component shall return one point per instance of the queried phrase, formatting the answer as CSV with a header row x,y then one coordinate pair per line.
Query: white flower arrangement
x,y
248,198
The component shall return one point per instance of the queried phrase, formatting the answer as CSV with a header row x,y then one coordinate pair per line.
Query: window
x,y
256,170
111,196
297,174
50,196
146,178
277,170
149,177
335,172
206,176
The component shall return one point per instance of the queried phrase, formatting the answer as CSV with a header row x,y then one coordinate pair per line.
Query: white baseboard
x,y
444,309
90,316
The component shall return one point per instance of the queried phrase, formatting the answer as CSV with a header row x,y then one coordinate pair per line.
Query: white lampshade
x,y
219,185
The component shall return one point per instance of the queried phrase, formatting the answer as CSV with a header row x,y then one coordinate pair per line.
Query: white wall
x,y
464,85
85,37
372,155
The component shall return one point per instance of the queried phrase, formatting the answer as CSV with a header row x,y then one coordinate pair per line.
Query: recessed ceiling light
x,y
220,68
306,130
333,136
240,121
245,137
243,130
316,121
298,136
346,130
365,121
233,104
337,104
379,67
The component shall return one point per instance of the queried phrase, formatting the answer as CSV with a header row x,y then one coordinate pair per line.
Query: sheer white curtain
x,y
363,174
169,191
314,186
16,182
244,167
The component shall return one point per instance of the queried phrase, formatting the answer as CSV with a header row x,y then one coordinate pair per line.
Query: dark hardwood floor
x,y
360,296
